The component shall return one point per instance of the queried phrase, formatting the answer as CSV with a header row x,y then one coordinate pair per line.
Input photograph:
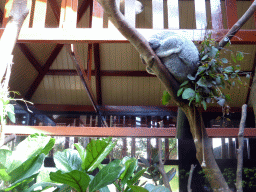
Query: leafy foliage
x,y
213,74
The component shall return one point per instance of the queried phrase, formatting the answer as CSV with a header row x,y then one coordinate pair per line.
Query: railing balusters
x,y
40,14
173,14
158,14
200,11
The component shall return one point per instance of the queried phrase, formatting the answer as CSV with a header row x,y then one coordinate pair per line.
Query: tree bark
x,y
240,150
8,40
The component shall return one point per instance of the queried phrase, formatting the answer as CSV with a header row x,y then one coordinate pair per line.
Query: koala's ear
x,y
154,43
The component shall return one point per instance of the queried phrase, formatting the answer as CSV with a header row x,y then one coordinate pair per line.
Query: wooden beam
x,y
1,16
82,9
96,50
40,14
124,109
89,62
116,73
119,131
231,13
71,49
30,56
55,9
45,69
68,36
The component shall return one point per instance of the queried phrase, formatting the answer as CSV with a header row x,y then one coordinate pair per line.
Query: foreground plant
x,y
19,168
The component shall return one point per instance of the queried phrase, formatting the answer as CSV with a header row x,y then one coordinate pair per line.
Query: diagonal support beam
x,y
96,50
83,8
80,70
30,56
45,69
55,9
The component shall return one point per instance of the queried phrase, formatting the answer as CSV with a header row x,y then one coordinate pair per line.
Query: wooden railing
x,y
70,21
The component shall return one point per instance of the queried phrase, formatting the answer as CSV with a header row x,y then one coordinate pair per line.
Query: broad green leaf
x,y
166,98
224,60
5,158
229,69
107,175
80,150
198,98
27,152
27,175
130,166
96,151
204,83
76,179
153,188
136,177
239,56
10,112
4,175
68,160
44,185
188,93
137,188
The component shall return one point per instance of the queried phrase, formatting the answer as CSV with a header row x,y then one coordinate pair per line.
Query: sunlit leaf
x,y
188,93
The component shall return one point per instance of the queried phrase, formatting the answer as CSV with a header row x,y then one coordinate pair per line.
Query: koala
x,y
177,53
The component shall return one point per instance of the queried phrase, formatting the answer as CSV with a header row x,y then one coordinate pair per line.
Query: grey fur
x,y
177,53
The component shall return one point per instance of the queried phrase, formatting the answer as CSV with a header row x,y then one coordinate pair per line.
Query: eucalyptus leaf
x,y
204,57
180,91
233,57
221,102
184,83
166,98
10,112
248,75
76,179
204,104
188,93
107,175
189,76
224,60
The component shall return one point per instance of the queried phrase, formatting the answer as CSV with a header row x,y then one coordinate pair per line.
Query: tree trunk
x,y
8,40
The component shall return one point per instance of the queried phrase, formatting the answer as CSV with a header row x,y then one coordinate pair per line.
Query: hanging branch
x,y
235,28
240,150
190,177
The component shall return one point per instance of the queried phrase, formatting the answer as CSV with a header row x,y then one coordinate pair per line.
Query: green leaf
x,y
189,76
213,52
130,166
204,57
202,82
26,154
239,56
96,151
76,179
166,98
44,185
228,98
136,177
188,93
26,175
204,104
221,102
198,98
10,112
229,69
180,91
107,175
153,188
5,158
68,160
224,60
248,75
137,188
184,83
233,57
4,175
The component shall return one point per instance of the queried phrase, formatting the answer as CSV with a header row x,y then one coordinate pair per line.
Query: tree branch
x,y
235,28
190,177
240,150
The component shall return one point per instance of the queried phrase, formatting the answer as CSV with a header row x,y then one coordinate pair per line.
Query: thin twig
x,y
190,177
240,150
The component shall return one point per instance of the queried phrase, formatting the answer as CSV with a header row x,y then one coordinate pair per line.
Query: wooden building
x,y
107,77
